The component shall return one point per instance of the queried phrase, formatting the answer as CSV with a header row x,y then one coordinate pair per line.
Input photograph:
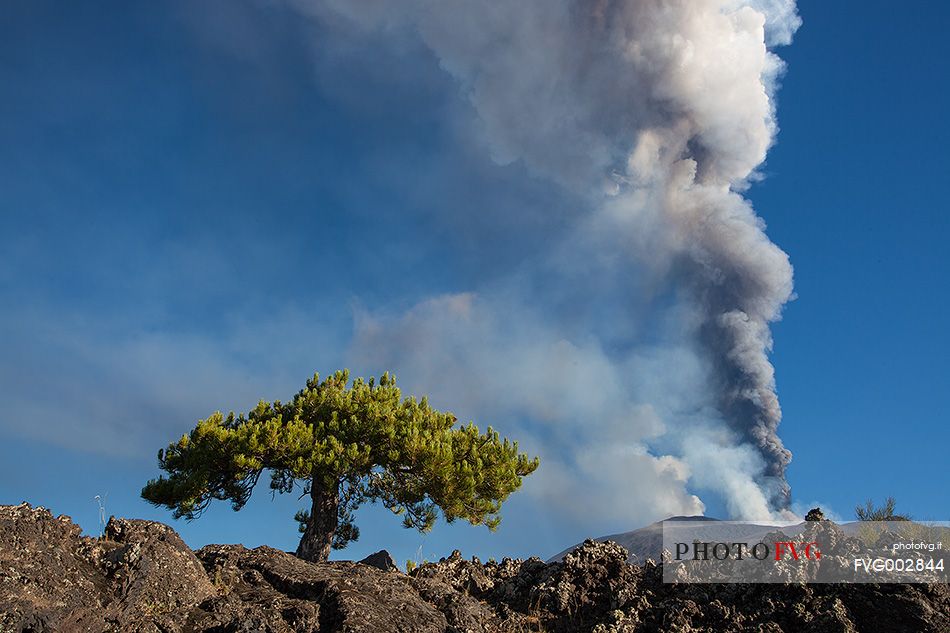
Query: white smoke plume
x,y
658,113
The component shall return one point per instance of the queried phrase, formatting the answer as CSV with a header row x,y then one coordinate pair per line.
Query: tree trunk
x,y
316,540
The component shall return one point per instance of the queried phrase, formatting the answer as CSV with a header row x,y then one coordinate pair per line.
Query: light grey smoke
x,y
659,113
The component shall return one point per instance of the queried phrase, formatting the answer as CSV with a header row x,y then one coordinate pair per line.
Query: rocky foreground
x,y
142,577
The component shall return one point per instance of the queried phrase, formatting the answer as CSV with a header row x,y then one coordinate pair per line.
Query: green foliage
x,y
363,439
410,565
869,512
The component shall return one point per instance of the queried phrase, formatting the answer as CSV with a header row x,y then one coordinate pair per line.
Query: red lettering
x,y
791,549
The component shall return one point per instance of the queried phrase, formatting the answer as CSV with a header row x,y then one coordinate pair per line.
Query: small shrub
x,y
870,512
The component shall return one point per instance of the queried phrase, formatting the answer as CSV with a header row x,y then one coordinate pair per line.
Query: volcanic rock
x,y
141,577
381,560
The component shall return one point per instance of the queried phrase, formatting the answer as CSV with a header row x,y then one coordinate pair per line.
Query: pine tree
x,y
344,445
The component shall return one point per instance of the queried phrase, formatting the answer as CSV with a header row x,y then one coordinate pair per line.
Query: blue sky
x,y
202,207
